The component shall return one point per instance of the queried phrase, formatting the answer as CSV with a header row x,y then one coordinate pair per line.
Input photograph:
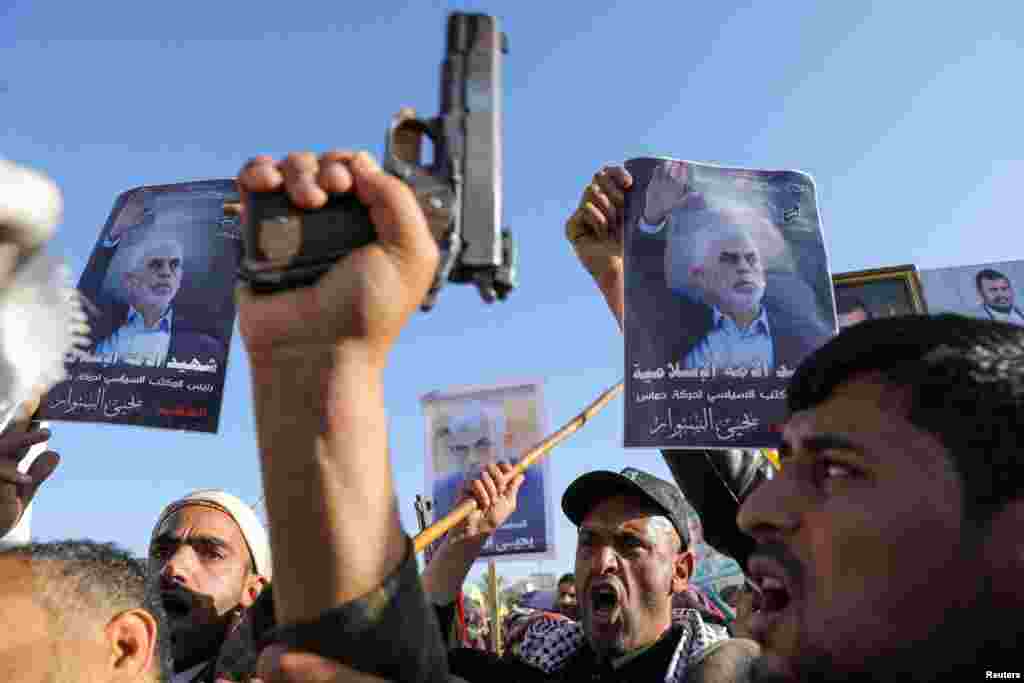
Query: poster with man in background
x,y
987,290
469,428
159,288
727,290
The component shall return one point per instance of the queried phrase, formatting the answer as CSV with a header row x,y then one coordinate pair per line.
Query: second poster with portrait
x,y
159,288
727,291
468,428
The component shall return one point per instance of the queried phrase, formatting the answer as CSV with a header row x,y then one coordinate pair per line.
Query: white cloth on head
x,y
31,204
245,517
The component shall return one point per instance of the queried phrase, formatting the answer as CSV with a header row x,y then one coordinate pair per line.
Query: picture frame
x,y
878,293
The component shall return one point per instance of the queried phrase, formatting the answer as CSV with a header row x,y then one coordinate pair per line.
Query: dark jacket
x,y
653,310
186,344
794,336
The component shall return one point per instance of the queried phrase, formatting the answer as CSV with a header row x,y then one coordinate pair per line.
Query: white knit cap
x,y
245,517
30,204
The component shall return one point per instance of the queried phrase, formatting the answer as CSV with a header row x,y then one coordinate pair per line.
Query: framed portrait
x,y
878,293
984,290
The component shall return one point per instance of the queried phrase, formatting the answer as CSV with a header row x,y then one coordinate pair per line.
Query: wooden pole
x,y
461,511
492,593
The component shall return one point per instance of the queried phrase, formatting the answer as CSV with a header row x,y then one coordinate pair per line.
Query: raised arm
x,y
595,230
495,493
344,574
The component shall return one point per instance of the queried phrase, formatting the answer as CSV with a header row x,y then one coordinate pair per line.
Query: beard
x,y
731,302
1003,306
982,635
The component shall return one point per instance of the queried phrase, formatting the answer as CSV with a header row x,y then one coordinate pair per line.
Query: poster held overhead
x,y
468,428
727,291
160,292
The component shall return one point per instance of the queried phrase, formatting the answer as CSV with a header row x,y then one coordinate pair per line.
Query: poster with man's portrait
x,y
159,290
987,290
727,291
878,293
468,428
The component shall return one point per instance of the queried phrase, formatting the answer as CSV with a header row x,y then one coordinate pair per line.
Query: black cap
x,y
593,487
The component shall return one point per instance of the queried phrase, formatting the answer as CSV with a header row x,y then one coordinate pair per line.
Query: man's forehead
x,y
468,437
843,410
862,410
735,244
168,250
202,520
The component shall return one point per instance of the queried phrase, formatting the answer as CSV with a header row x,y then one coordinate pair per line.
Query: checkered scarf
x,y
550,643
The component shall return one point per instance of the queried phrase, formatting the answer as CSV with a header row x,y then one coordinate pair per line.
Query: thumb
x,y
40,470
396,214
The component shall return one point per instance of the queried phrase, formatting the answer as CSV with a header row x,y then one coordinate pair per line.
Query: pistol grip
x,y
288,247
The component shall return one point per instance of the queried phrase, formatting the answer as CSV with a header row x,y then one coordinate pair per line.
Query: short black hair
x,y
75,578
566,578
964,378
988,274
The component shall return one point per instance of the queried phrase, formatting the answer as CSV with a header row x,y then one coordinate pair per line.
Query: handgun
x,y
460,190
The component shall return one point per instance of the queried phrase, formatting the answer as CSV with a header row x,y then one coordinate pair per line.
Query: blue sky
x,y
908,115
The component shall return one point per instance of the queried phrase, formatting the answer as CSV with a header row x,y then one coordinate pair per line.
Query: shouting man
x,y
213,558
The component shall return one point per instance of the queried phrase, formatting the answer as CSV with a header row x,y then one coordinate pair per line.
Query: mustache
x,y
176,590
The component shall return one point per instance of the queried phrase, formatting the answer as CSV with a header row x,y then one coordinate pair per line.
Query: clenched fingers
x,y
13,443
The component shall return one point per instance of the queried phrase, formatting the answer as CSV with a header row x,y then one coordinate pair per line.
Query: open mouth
x,y
161,289
746,286
774,596
604,602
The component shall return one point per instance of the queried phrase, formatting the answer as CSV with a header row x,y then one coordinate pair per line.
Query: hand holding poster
x,y
727,291
160,281
472,427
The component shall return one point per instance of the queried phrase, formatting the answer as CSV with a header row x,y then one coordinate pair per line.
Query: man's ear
x,y
132,640
683,571
254,585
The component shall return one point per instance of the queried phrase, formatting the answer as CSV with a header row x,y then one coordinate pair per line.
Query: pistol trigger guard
x,y
403,169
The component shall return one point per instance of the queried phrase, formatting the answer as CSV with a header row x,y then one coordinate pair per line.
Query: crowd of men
x,y
886,547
